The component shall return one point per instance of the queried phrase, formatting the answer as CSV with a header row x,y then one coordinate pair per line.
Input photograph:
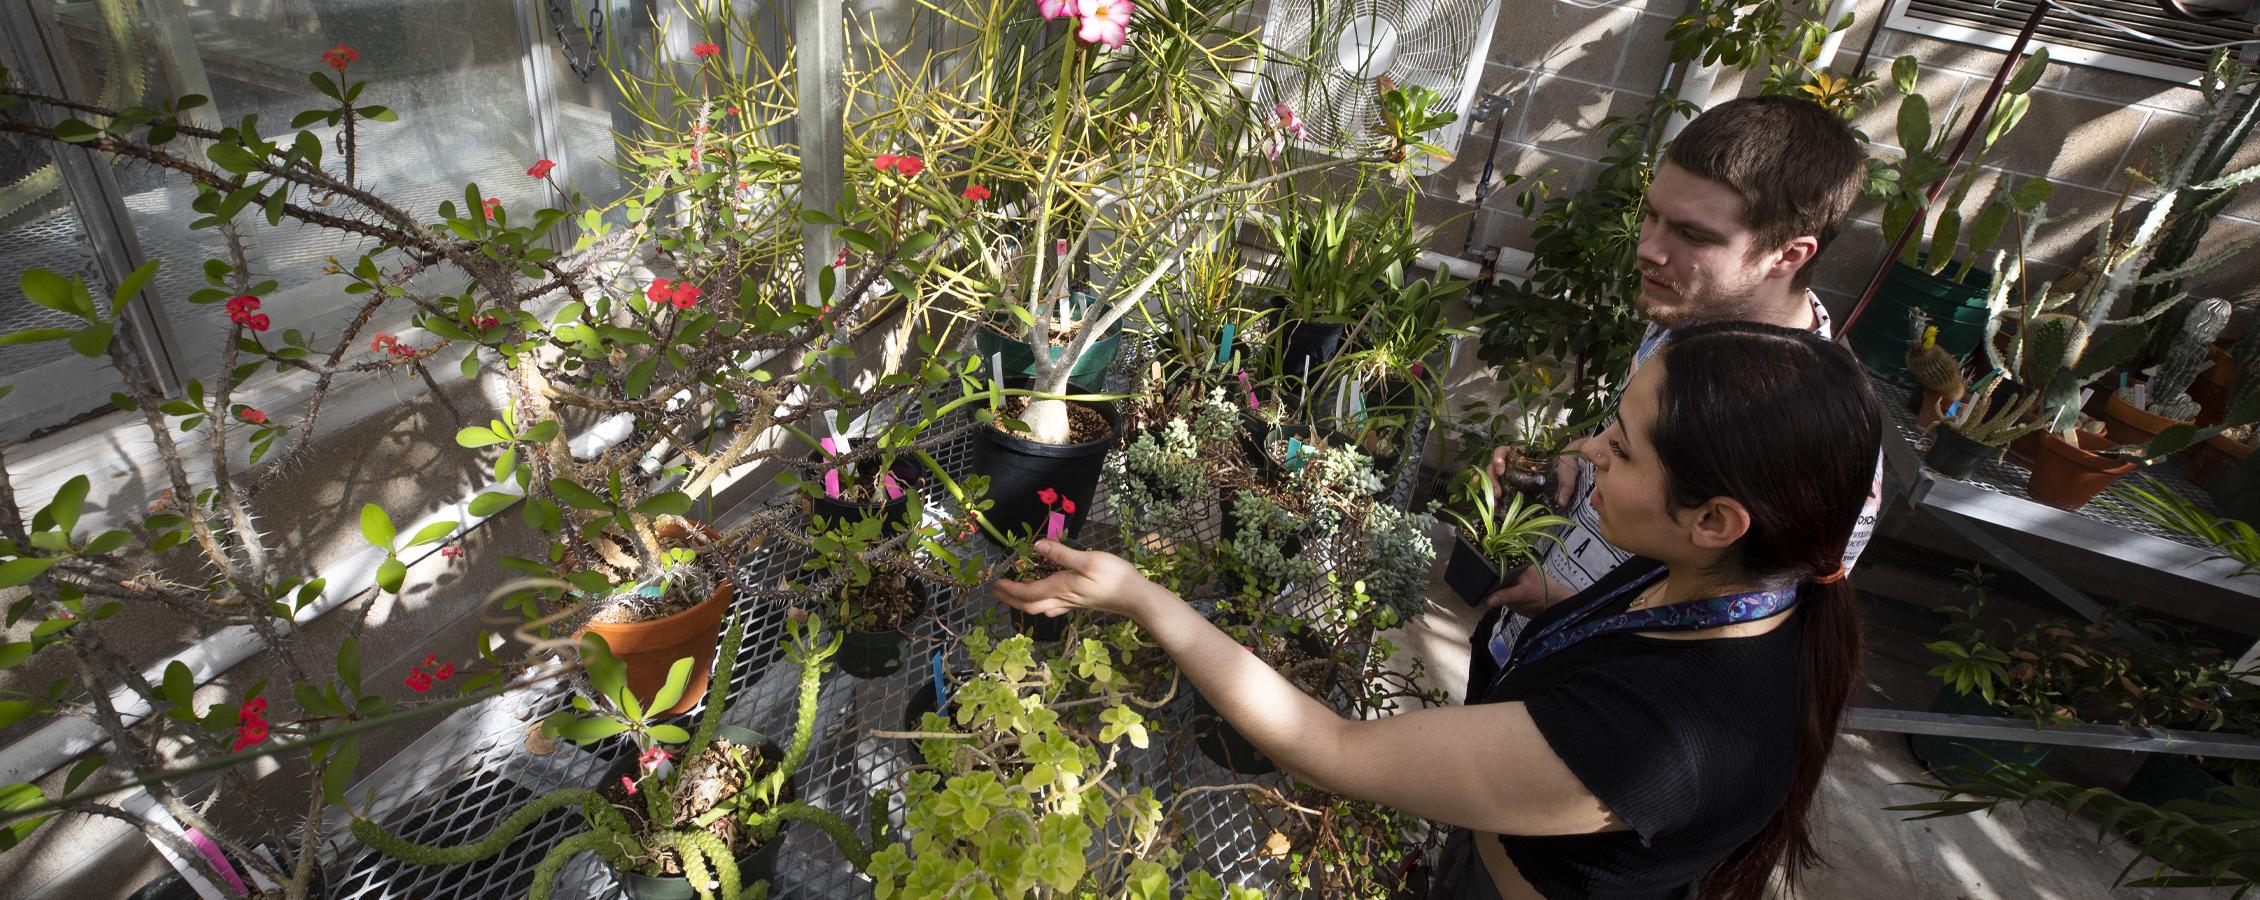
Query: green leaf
x,y
672,503
489,503
668,734
92,341
639,376
74,131
606,672
84,770
1943,240
52,291
179,686
13,652
1914,124
432,532
580,497
2029,73
337,775
376,526
375,113
70,500
13,711
349,665
2032,193
391,574
678,678
106,542
541,433
22,570
132,286
35,336
589,730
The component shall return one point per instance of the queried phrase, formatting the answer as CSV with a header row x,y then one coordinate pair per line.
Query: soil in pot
x,y
864,494
703,784
1020,468
875,643
1305,661
1041,629
1941,752
1474,576
2066,477
1955,456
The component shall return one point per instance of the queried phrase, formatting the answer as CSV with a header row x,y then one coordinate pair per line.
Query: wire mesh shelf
x,y
458,781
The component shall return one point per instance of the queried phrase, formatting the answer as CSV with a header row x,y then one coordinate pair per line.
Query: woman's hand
x,y
1088,579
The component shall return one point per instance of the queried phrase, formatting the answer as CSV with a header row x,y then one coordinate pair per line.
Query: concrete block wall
x,y
1568,67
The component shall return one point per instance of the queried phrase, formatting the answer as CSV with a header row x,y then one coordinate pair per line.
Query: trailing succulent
x,y
702,857
1011,801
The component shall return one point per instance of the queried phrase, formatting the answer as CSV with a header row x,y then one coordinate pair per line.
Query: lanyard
x,y
1694,615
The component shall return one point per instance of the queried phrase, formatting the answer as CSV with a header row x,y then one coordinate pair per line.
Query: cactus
x,y
705,858
1934,368
2246,353
1979,421
2169,389
2053,342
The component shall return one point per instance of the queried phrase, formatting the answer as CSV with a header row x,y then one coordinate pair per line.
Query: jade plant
x,y
673,829
1009,800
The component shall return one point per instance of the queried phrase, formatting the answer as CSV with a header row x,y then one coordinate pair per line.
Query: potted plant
x,y
677,614
1307,661
1932,273
1335,260
2210,841
874,605
844,482
1496,542
1937,371
1978,429
2137,412
671,824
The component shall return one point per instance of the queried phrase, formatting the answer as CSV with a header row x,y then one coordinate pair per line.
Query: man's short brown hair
x,y
1796,166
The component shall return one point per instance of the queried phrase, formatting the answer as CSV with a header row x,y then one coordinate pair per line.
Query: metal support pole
x,y
819,48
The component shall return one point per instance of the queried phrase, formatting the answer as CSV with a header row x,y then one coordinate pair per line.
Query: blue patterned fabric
x,y
1694,615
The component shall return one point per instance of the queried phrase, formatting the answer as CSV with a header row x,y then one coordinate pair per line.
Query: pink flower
x,y
1105,22
492,204
1054,9
340,56
976,193
628,784
540,168
252,416
451,552
703,51
486,321
1288,122
650,759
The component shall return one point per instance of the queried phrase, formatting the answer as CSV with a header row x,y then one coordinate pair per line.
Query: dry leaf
x,y
1276,845
537,743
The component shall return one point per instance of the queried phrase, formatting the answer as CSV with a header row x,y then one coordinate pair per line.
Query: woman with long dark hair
x,y
1659,735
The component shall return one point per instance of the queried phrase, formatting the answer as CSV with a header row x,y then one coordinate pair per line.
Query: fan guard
x,y
1438,44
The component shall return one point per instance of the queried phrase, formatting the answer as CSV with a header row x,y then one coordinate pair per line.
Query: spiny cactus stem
x,y
389,844
545,872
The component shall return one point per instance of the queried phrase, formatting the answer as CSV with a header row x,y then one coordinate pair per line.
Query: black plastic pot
x,y
1312,344
1955,456
877,654
1472,575
1019,468
896,511
1041,629
1222,743
754,864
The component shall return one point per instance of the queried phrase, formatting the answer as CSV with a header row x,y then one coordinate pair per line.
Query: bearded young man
x,y
1739,209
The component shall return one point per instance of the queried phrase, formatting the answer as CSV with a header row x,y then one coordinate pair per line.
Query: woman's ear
x,y
1718,523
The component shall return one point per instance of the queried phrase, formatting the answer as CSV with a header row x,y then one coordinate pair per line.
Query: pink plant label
x,y
218,859
831,476
1054,525
1248,385
894,491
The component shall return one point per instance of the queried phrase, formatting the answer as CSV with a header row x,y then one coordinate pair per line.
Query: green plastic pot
x,y
1957,308
1018,360
1941,752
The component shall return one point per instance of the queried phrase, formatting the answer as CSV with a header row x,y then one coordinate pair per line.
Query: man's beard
x,y
1711,303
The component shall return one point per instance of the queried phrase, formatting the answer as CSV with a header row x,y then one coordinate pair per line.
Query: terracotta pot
x,y
651,648
2125,424
2215,457
2023,451
2066,477
2211,389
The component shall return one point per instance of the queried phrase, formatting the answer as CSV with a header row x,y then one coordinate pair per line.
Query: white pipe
x,y
1837,10
1695,88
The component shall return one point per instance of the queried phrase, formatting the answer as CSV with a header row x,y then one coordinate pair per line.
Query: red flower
x,y
731,111
251,723
976,193
1067,506
884,161
382,343
492,204
242,305
703,51
255,708
660,291
629,784
451,552
256,323
1049,496
486,321
440,671
340,56
418,681
650,759
685,295
909,166
252,416
540,168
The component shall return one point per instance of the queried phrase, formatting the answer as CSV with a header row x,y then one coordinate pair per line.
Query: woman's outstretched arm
x,y
1486,768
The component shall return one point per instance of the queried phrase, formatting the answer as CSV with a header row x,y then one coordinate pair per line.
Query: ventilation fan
x,y
1353,46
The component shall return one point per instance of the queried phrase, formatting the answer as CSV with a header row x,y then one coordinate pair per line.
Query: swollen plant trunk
x,y
1047,421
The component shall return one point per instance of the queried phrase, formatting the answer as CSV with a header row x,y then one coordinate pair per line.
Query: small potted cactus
x,y
1978,430
2222,452
2137,412
1939,373
704,822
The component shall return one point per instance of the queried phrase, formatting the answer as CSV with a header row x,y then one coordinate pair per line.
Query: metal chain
x,y
584,63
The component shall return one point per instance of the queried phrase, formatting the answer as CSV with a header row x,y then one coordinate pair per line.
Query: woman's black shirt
x,y
1690,742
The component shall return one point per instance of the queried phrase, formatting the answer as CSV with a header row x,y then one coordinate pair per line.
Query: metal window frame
x,y
1896,18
